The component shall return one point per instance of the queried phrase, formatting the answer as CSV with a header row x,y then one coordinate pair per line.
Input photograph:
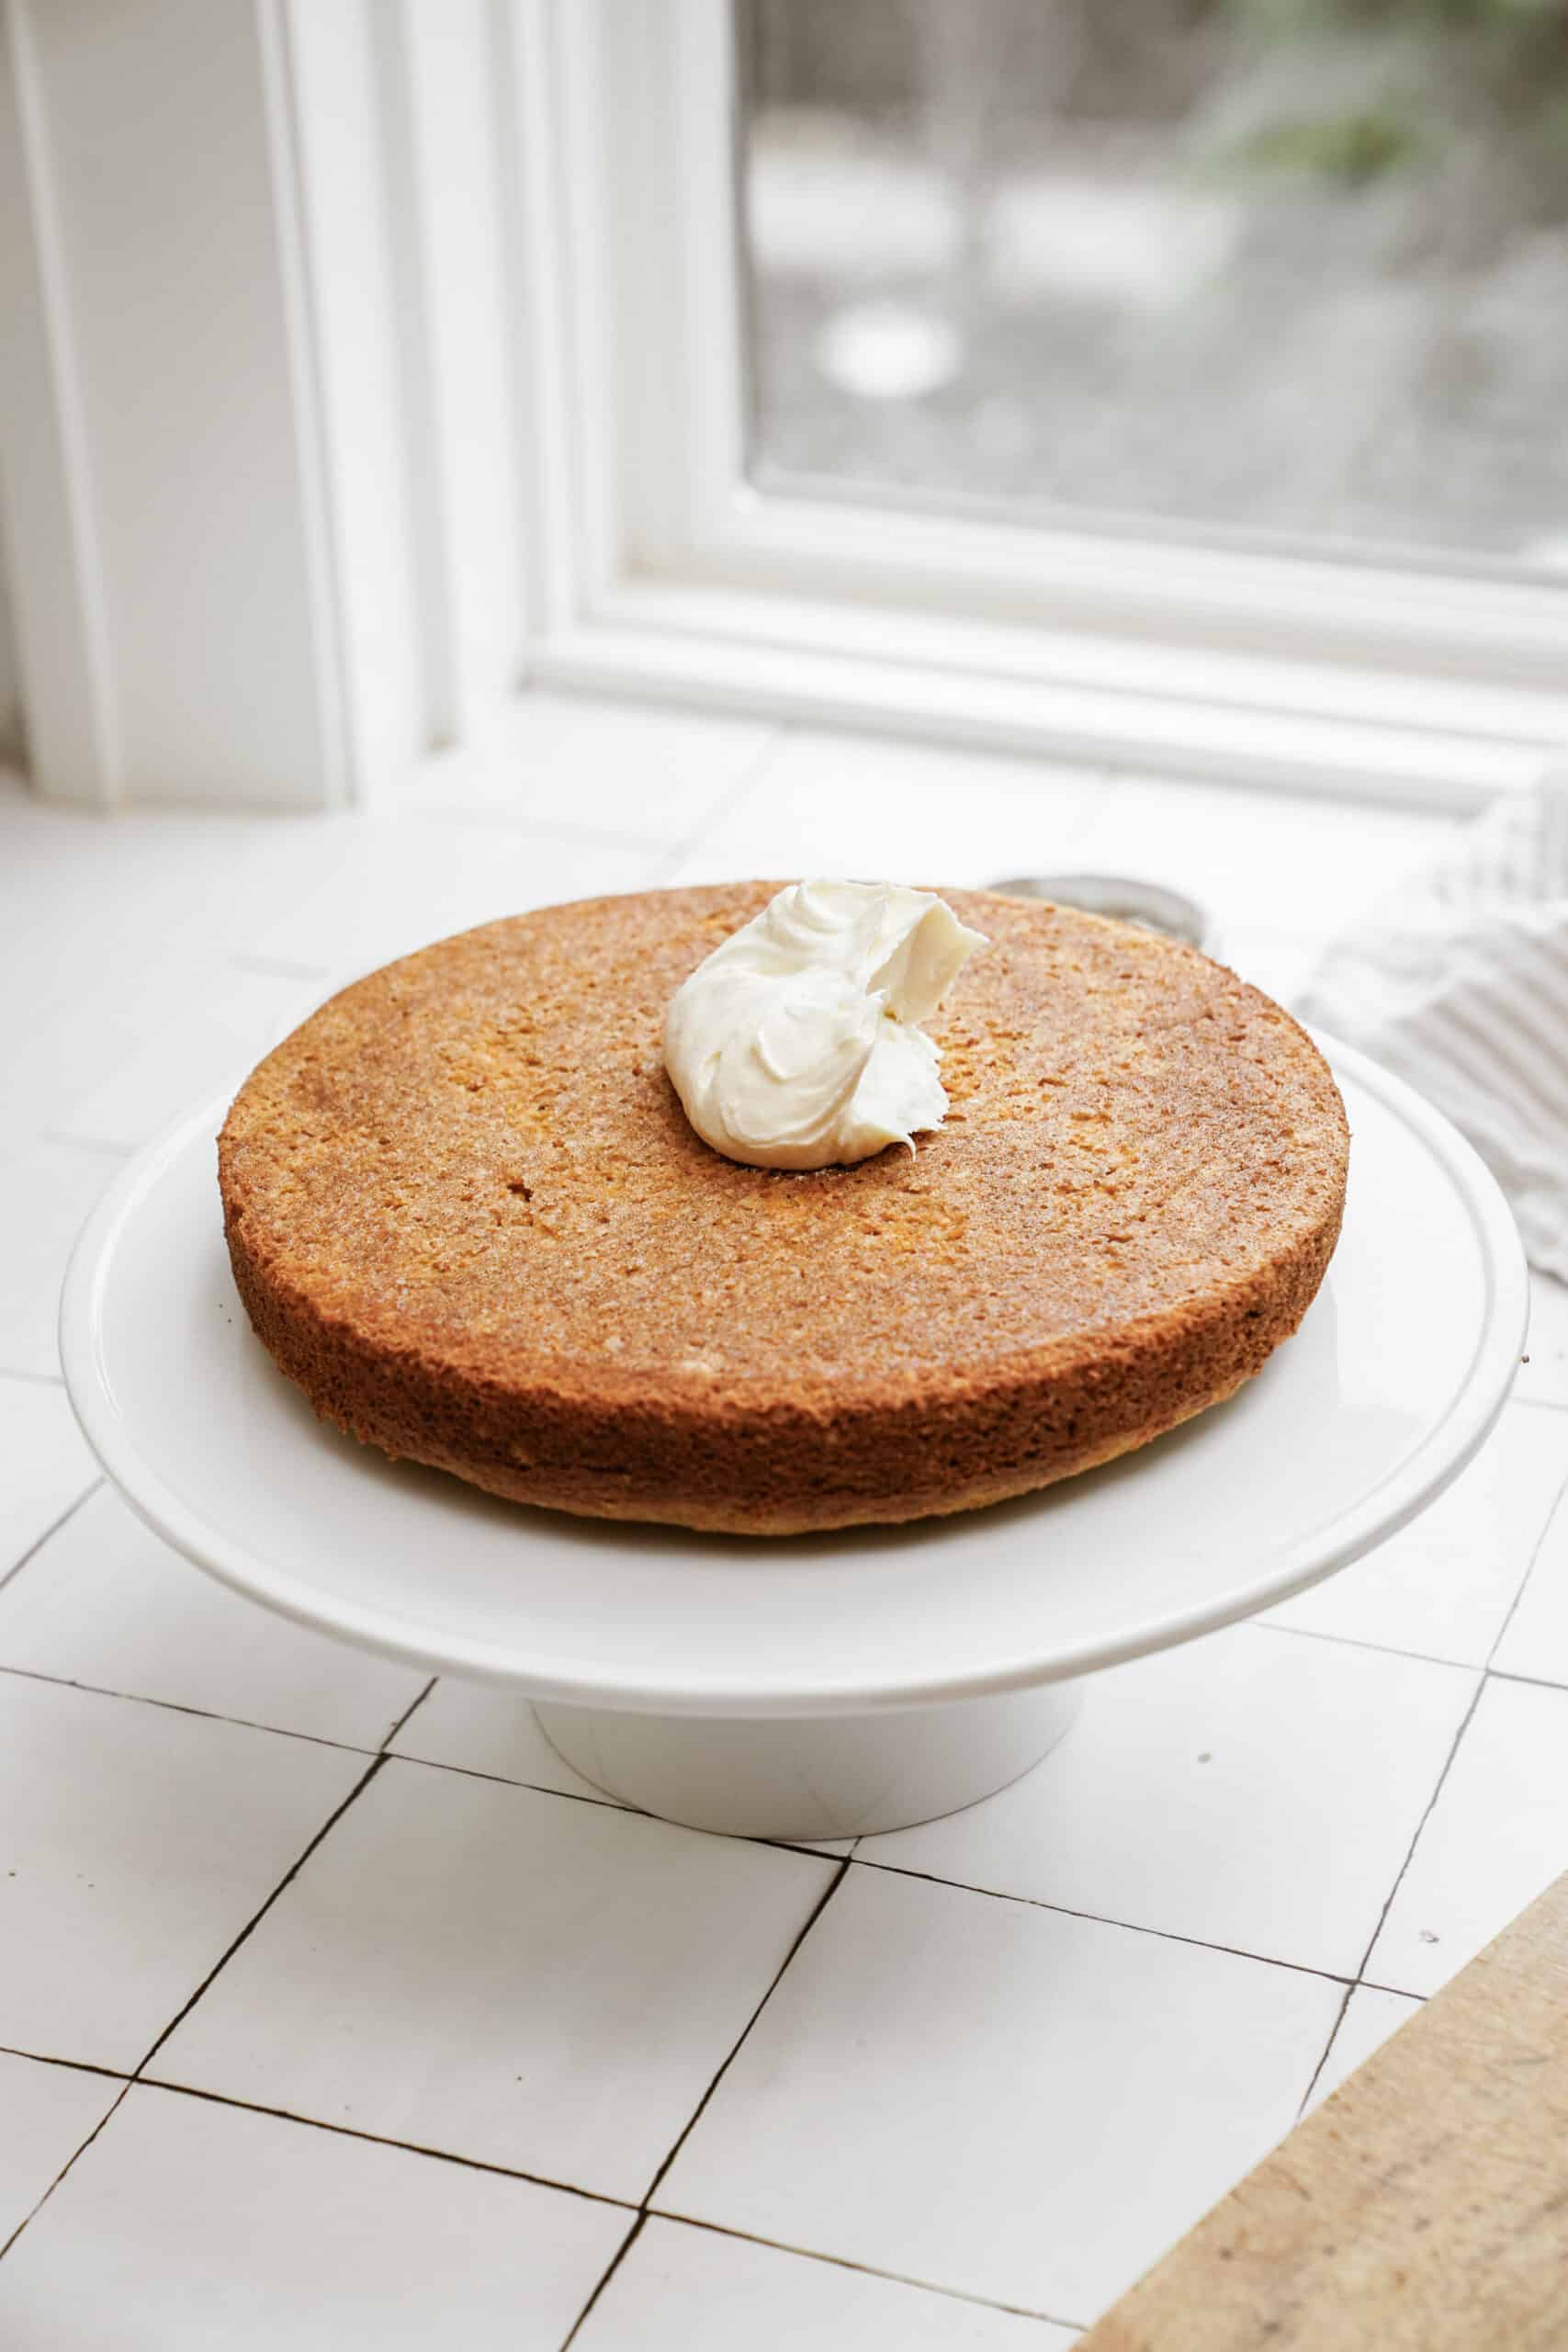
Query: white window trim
x,y
478,424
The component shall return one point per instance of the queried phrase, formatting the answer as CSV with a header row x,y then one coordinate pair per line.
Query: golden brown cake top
x,y
474,1155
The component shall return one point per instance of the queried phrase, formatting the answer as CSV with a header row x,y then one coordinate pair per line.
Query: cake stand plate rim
x,y
1436,1458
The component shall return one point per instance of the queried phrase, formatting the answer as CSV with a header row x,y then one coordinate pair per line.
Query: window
x,y
1289,268
1168,383
869,576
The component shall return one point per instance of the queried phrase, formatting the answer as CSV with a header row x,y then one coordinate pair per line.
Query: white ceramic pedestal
x,y
815,1687
816,1776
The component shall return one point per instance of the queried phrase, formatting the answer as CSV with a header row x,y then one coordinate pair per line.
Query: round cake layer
x,y
466,1213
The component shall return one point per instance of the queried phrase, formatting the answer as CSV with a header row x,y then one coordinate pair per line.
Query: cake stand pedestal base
x,y
813,1776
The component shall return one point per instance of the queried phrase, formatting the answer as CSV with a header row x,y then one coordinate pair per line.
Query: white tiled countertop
x,y
337,2011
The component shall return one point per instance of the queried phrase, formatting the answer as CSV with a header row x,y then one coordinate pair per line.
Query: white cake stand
x,y
813,1687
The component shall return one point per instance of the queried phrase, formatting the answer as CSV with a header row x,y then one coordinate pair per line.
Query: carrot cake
x,y
469,1215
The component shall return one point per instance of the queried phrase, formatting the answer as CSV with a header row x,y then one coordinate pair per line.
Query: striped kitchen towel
x,y
1459,983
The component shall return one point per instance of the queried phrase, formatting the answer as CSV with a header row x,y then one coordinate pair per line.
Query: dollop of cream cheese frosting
x,y
796,1043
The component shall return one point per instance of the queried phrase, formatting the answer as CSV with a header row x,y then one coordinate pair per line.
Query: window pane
x,y
1288,266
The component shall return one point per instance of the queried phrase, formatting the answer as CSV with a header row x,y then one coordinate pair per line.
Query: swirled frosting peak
x,y
796,1043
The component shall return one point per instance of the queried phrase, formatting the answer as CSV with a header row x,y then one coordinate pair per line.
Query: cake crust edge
x,y
682,1460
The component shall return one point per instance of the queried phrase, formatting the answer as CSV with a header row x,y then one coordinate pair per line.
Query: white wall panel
x,y
170,190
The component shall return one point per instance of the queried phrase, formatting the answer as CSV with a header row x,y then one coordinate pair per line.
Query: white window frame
x,y
492,436
1160,652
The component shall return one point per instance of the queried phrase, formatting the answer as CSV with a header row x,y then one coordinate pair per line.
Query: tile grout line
x,y
834,1883
53,1528
1531,1681
1427,1811
113,2109
778,734
669,853
1339,2016
310,1738
74,1140
100,1144
73,2066
1559,1502
201,1714
1102,1919
1485,1667
639,2222
34,1379
375,2139
1102,784
866,2269
465,1772
1487,1674
358,1747
414,1704
1266,1624
312,2123
257,1917
278,967
557,831
812,1916
1362,1984
751,772
534,1788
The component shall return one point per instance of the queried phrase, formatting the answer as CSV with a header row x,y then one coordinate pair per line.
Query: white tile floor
x,y
336,2010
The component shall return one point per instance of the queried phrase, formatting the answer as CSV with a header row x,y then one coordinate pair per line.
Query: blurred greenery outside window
x,y
1295,269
